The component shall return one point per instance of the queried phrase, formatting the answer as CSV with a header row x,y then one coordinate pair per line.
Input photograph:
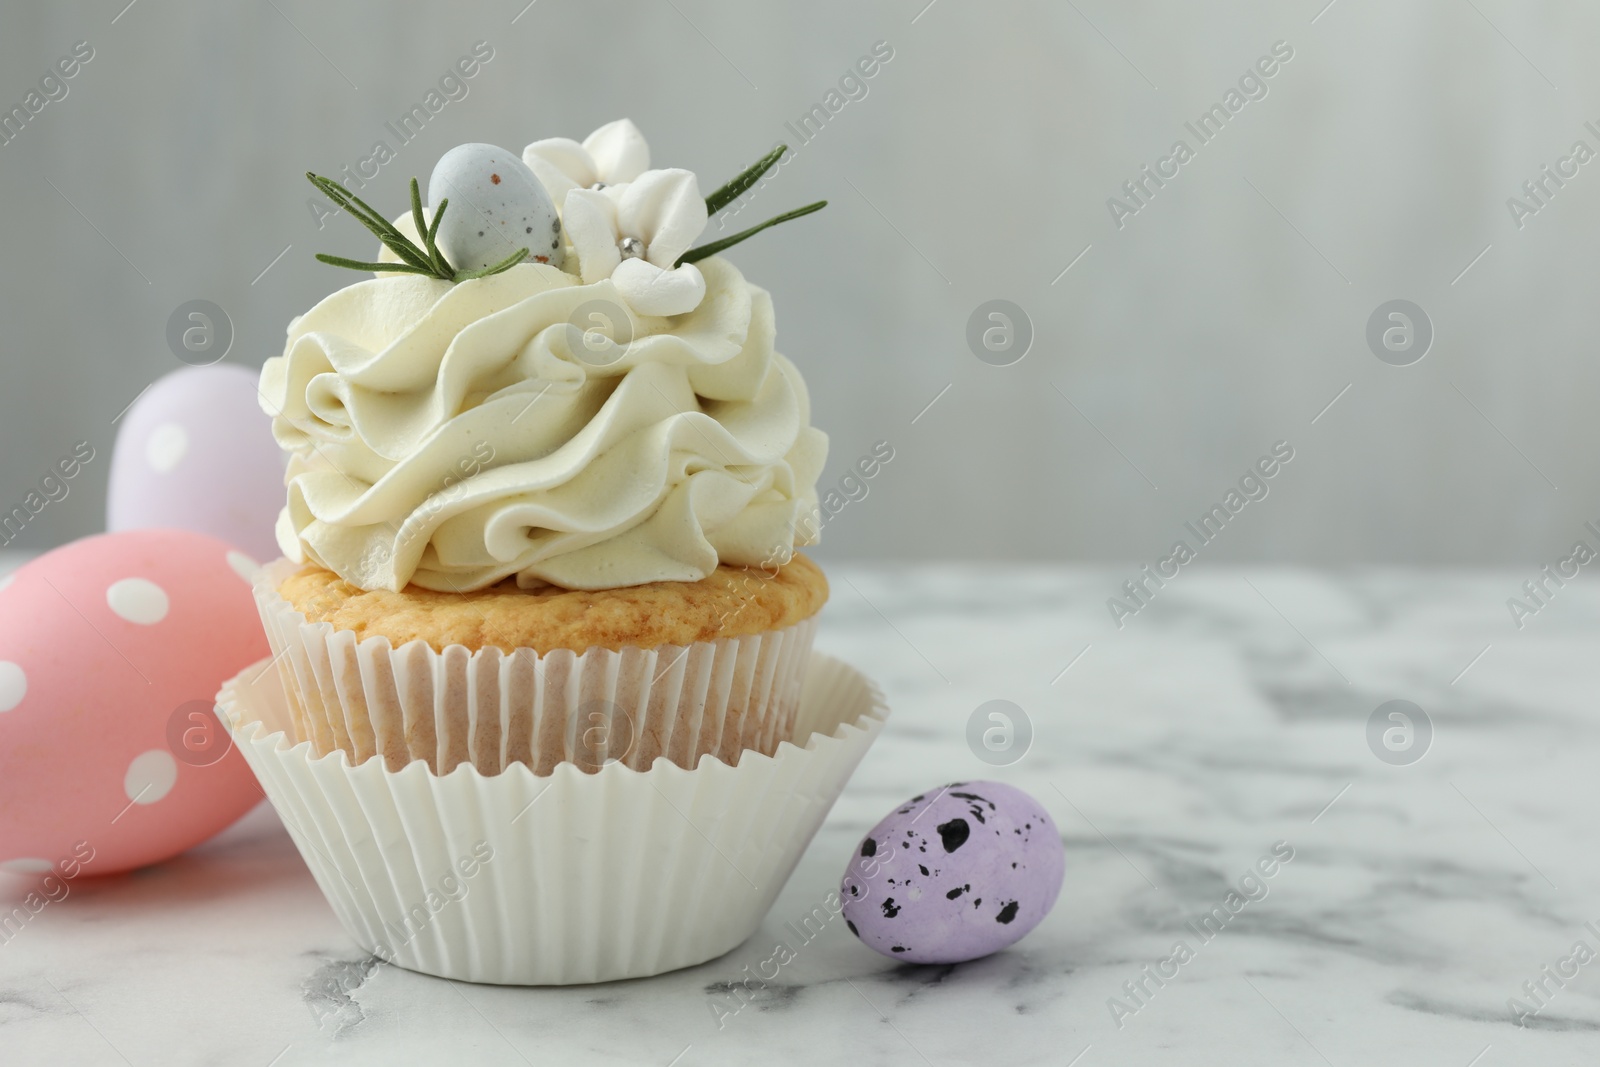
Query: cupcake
x,y
503,675
547,478
545,707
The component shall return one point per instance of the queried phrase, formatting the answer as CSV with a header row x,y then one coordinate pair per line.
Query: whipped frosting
x,y
455,435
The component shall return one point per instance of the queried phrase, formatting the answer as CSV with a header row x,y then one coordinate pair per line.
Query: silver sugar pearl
x,y
631,248
598,185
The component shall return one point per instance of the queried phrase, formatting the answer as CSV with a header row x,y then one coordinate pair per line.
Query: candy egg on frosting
x,y
954,874
496,207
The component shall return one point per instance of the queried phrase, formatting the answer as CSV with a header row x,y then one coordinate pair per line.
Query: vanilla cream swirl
x,y
454,435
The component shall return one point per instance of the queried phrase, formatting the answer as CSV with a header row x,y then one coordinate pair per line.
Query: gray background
x,y
1222,318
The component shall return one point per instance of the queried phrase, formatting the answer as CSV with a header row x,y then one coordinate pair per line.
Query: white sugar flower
x,y
611,155
634,232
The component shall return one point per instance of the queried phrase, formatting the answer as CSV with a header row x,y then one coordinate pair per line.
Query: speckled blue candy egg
x,y
954,874
496,207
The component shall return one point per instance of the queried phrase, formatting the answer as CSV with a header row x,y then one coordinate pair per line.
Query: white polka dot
x,y
243,565
26,865
150,776
166,446
138,600
13,685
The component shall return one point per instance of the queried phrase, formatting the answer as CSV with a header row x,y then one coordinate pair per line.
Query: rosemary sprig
x,y
694,255
368,216
741,183
429,235
356,264
505,264
427,260
435,258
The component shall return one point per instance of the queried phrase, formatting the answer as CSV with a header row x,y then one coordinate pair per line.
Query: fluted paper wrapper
x,y
519,879
493,708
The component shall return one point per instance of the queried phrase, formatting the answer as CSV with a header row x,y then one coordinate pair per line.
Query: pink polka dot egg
x,y
112,650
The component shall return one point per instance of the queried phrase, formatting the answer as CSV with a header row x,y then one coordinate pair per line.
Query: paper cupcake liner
x,y
519,879
493,709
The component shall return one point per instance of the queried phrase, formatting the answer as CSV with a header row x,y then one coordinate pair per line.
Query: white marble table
x,y
1228,716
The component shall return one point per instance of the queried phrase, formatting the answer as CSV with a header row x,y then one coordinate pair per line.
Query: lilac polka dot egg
x,y
954,874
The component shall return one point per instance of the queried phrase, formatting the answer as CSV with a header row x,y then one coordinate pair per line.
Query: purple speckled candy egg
x,y
954,874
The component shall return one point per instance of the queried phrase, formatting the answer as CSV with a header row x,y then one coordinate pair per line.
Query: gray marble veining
x,y
1224,725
